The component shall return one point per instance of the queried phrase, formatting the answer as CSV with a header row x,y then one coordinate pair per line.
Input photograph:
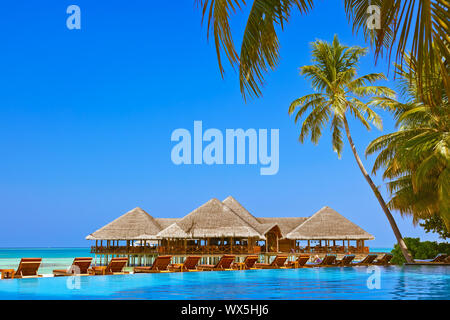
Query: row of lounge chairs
x,y
28,267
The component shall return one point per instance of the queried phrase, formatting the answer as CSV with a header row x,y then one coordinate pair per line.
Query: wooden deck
x,y
214,250
144,256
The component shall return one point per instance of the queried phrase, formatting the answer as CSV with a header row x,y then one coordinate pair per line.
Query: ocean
x,y
52,258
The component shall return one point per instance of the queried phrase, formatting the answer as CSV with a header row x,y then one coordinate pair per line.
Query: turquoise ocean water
x,y
60,258
52,258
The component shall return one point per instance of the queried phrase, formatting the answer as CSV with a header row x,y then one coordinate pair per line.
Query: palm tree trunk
x,y
377,193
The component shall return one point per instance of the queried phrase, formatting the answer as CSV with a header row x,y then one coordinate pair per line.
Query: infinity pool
x,y
414,282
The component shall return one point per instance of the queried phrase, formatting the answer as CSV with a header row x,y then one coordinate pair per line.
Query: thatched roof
x,y
213,219
229,218
234,205
133,225
327,224
173,231
165,222
286,225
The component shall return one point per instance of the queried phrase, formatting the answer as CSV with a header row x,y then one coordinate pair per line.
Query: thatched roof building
x,y
136,224
216,219
211,220
327,224
286,225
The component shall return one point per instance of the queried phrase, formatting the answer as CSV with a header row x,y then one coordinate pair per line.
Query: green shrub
x,y
420,250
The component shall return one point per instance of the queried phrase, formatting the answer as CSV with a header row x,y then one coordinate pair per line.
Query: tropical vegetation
x,y
416,158
435,224
339,93
420,250
404,25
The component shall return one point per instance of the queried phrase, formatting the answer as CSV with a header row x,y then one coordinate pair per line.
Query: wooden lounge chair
x,y
223,264
190,264
115,266
160,264
369,259
384,260
80,266
27,268
277,263
328,261
440,258
346,260
248,263
299,263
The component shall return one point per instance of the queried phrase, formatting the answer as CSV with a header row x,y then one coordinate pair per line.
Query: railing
x,y
203,250
331,249
123,250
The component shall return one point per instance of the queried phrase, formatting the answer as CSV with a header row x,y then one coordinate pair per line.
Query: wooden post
x,y
231,245
278,249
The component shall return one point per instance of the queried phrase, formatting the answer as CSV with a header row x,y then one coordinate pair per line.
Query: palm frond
x,y
424,25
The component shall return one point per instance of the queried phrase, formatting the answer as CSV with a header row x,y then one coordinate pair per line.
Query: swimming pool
x,y
411,282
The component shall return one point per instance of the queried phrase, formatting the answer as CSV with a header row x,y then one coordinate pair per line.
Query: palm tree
x,y
416,158
427,20
259,51
338,92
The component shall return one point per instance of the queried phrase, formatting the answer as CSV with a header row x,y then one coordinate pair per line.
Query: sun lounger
x,y
369,259
27,268
115,266
346,260
80,266
277,263
190,264
248,263
160,264
299,263
383,261
328,261
440,258
223,264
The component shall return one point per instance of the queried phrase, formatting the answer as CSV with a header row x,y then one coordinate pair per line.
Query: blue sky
x,y
86,118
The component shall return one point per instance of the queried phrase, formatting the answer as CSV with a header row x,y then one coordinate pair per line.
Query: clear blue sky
x,y
86,118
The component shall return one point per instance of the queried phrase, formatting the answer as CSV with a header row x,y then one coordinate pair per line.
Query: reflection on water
x,y
312,283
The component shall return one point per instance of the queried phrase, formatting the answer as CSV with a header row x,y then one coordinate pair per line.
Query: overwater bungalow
x,y
221,227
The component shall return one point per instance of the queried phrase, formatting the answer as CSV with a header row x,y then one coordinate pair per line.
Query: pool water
x,y
410,282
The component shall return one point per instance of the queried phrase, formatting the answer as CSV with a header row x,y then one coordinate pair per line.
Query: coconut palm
x,y
426,20
416,158
339,93
259,51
